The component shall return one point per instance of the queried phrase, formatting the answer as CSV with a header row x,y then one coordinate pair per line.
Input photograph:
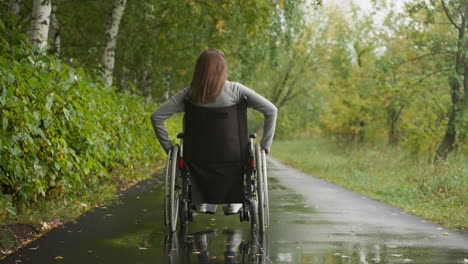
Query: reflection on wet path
x,y
205,247
311,221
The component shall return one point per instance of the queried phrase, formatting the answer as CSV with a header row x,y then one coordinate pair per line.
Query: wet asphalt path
x,y
312,221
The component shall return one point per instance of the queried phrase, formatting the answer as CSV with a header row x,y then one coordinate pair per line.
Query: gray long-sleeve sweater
x,y
232,94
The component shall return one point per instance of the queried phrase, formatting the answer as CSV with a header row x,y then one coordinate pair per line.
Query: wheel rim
x,y
260,192
265,190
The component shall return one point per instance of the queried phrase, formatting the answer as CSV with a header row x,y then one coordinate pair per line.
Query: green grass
x,y
436,192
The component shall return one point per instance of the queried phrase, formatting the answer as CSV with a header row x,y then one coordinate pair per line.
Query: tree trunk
x,y
108,58
458,99
449,138
393,115
54,31
40,22
123,80
14,7
166,87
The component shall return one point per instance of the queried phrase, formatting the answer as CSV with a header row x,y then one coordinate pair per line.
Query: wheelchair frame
x,y
177,192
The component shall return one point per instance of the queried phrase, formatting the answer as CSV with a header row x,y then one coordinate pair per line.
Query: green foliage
x,y
160,40
63,131
435,191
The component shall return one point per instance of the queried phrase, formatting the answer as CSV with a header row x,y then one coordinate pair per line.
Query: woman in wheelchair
x,y
210,90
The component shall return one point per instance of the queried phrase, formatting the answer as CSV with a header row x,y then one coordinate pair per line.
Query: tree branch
x,y
447,13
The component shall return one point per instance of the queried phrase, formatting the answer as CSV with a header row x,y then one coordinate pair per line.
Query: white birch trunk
x,y
108,58
54,30
40,22
15,7
166,87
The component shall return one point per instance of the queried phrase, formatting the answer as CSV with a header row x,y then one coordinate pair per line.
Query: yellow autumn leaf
x,y
281,3
219,26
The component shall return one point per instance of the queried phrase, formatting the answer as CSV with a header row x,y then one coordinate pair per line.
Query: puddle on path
x,y
133,232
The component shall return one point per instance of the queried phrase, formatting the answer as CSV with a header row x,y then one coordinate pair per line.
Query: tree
x,y
15,7
54,30
40,22
108,58
457,14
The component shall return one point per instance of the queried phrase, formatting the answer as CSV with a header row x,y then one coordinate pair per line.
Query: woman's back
x,y
231,94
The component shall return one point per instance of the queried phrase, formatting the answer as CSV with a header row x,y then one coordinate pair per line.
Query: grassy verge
x,y
435,192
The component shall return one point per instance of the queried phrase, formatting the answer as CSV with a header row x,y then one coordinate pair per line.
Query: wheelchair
x,y
216,162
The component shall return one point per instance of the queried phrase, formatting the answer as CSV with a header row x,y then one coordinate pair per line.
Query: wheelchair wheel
x,y
166,189
260,190
265,184
254,215
174,190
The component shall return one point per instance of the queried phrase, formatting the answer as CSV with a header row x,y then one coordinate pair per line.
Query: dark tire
x,y
174,190
166,188
183,214
254,215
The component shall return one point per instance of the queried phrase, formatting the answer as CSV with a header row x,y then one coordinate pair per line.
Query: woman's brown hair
x,y
209,77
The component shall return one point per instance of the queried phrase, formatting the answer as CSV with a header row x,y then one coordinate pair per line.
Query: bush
x,y
63,131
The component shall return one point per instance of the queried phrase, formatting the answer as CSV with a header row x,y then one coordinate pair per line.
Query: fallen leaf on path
x,y
34,248
58,257
142,248
395,255
45,226
445,234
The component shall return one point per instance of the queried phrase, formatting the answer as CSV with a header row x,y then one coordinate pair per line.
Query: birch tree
x,y
108,58
14,7
54,30
40,22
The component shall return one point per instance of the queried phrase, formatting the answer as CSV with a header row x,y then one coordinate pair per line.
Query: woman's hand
x,y
266,151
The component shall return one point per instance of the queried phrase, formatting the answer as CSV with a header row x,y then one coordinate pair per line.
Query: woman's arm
x,y
172,106
269,111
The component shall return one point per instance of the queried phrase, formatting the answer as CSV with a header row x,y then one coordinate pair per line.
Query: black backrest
x,y
216,134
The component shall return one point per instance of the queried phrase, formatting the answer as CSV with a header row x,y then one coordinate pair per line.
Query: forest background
x,y
375,99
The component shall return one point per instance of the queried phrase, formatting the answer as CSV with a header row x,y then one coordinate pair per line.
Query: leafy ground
x,y
435,192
